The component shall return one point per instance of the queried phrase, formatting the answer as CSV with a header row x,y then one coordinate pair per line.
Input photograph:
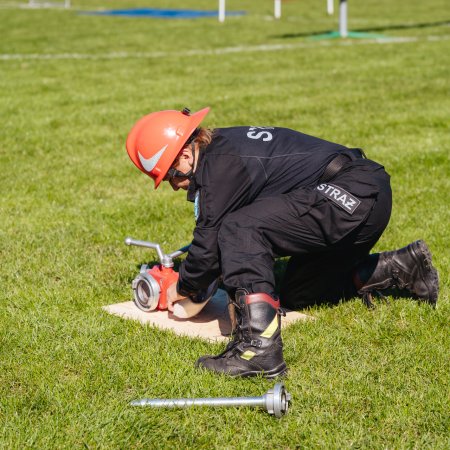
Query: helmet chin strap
x,y
174,173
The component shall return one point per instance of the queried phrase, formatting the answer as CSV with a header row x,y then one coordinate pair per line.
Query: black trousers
x,y
324,239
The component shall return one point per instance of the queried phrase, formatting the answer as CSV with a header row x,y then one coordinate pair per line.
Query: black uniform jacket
x,y
240,165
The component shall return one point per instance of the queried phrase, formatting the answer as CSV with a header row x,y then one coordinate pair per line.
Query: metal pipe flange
x,y
146,291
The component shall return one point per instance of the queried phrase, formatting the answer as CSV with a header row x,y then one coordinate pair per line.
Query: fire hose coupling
x,y
152,283
150,286
275,401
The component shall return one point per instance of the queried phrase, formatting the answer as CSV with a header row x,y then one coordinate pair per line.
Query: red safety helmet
x,y
156,139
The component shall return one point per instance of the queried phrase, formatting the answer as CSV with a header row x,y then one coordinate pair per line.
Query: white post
x,y
343,30
221,10
330,7
277,9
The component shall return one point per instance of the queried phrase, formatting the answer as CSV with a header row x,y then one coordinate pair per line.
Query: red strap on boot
x,y
261,297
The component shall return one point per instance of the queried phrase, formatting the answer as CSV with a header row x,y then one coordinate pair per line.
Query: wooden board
x,y
212,323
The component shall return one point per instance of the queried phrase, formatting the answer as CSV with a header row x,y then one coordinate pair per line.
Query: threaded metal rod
x,y
275,401
187,402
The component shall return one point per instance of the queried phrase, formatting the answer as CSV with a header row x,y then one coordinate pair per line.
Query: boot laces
x,y
367,298
398,281
242,339
237,338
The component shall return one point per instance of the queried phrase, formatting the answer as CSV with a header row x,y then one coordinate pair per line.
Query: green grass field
x,y
72,86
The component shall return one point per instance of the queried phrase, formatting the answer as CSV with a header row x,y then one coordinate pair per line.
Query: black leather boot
x,y
407,272
256,347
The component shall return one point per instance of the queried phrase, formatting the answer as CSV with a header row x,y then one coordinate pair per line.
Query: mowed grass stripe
x,y
222,51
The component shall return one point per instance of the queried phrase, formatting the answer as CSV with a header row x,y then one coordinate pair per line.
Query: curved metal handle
x,y
131,241
180,251
165,259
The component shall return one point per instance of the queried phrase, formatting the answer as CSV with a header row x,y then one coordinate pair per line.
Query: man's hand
x,y
173,296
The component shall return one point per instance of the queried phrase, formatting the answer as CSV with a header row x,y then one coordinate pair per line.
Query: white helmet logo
x,y
150,163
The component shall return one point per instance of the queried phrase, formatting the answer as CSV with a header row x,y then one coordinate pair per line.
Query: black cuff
x,y
183,292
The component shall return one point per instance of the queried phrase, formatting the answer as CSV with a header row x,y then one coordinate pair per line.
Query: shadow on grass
x,y
371,29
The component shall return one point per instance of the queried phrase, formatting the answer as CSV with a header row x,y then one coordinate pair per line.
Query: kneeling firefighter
x,y
262,192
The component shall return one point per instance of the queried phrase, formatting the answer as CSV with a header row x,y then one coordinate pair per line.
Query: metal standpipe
x,y
275,401
343,27
277,9
330,7
221,10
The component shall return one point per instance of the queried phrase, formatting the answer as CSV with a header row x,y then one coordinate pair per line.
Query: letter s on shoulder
x,y
258,133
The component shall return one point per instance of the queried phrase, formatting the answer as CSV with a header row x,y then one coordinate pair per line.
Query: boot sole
x,y
429,274
279,371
